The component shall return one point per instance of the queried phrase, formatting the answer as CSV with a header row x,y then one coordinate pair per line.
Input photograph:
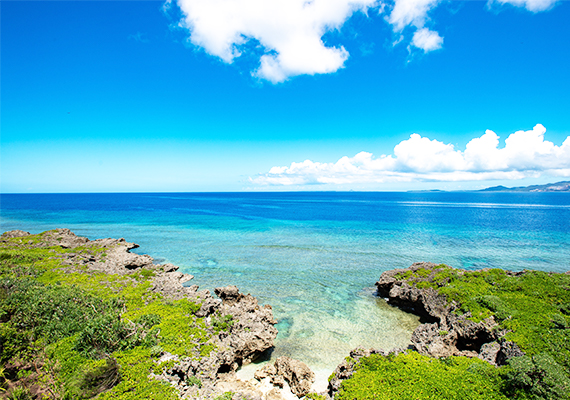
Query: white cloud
x,y
410,12
530,5
290,32
427,40
525,154
414,13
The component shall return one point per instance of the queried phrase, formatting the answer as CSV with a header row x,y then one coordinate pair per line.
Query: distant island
x,y
549,187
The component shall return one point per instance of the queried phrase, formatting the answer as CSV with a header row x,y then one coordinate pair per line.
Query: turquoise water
x,y
316,256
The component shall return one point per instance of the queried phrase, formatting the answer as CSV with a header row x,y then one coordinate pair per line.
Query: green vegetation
x,y
79,333
533,308
193,381
315,396
225,396
222,322
413,376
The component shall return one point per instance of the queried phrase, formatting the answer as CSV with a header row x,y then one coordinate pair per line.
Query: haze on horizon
x,y
234,95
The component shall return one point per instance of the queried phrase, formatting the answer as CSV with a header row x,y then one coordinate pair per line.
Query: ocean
x,y
314,257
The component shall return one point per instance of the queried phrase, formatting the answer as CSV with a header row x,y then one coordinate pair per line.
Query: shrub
x,y
225,396
315,396
540,376
413,376
193,381
20,393
222,322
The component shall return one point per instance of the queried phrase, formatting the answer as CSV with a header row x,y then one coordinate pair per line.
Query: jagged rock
x,y
121,257
241,390
297,374
169,267
266,371
170,284
489,352
229,294
444,333
427,340
64,238
278,380
209,304
252,331
273,394
14,234
508,350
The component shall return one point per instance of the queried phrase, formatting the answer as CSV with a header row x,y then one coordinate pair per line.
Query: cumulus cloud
x,y
410,13
414,14
286,36
525,154
289,31
427,40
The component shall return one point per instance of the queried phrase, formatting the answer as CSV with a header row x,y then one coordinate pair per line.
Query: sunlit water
x,y
316,256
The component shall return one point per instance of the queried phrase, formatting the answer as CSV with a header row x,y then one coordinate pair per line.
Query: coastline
x,y
488,333
211,340
194,343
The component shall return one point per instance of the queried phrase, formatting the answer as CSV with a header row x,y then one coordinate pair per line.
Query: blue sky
x,y
334,95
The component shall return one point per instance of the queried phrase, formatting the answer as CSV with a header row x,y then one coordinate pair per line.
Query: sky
x,y
283,95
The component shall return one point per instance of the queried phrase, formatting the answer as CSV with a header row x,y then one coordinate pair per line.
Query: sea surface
x,y
315,257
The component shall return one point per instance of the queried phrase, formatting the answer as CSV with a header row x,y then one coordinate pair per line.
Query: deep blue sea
x,y
316,256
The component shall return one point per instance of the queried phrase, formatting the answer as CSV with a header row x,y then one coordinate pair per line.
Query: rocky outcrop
x,y
252,330
14,234
444,333
296,373
241,329
345,369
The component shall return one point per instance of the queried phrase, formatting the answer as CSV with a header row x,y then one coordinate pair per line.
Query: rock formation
x,y
297,374
249,329
445,333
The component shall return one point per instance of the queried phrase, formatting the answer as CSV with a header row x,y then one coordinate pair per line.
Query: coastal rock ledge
x,y
240,329
444,333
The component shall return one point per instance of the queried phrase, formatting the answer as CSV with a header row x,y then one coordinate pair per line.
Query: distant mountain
x,y
549,187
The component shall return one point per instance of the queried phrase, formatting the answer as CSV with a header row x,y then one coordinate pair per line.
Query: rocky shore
x,y
494,305
231,330
242,329
444,333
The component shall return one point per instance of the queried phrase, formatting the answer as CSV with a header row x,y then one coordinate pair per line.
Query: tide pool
x,y
314,257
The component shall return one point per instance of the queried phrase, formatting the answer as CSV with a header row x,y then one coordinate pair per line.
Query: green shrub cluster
x,y
413,376
222,322
89,333
533,308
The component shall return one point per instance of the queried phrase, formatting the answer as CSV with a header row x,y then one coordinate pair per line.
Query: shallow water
x,y
316,256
